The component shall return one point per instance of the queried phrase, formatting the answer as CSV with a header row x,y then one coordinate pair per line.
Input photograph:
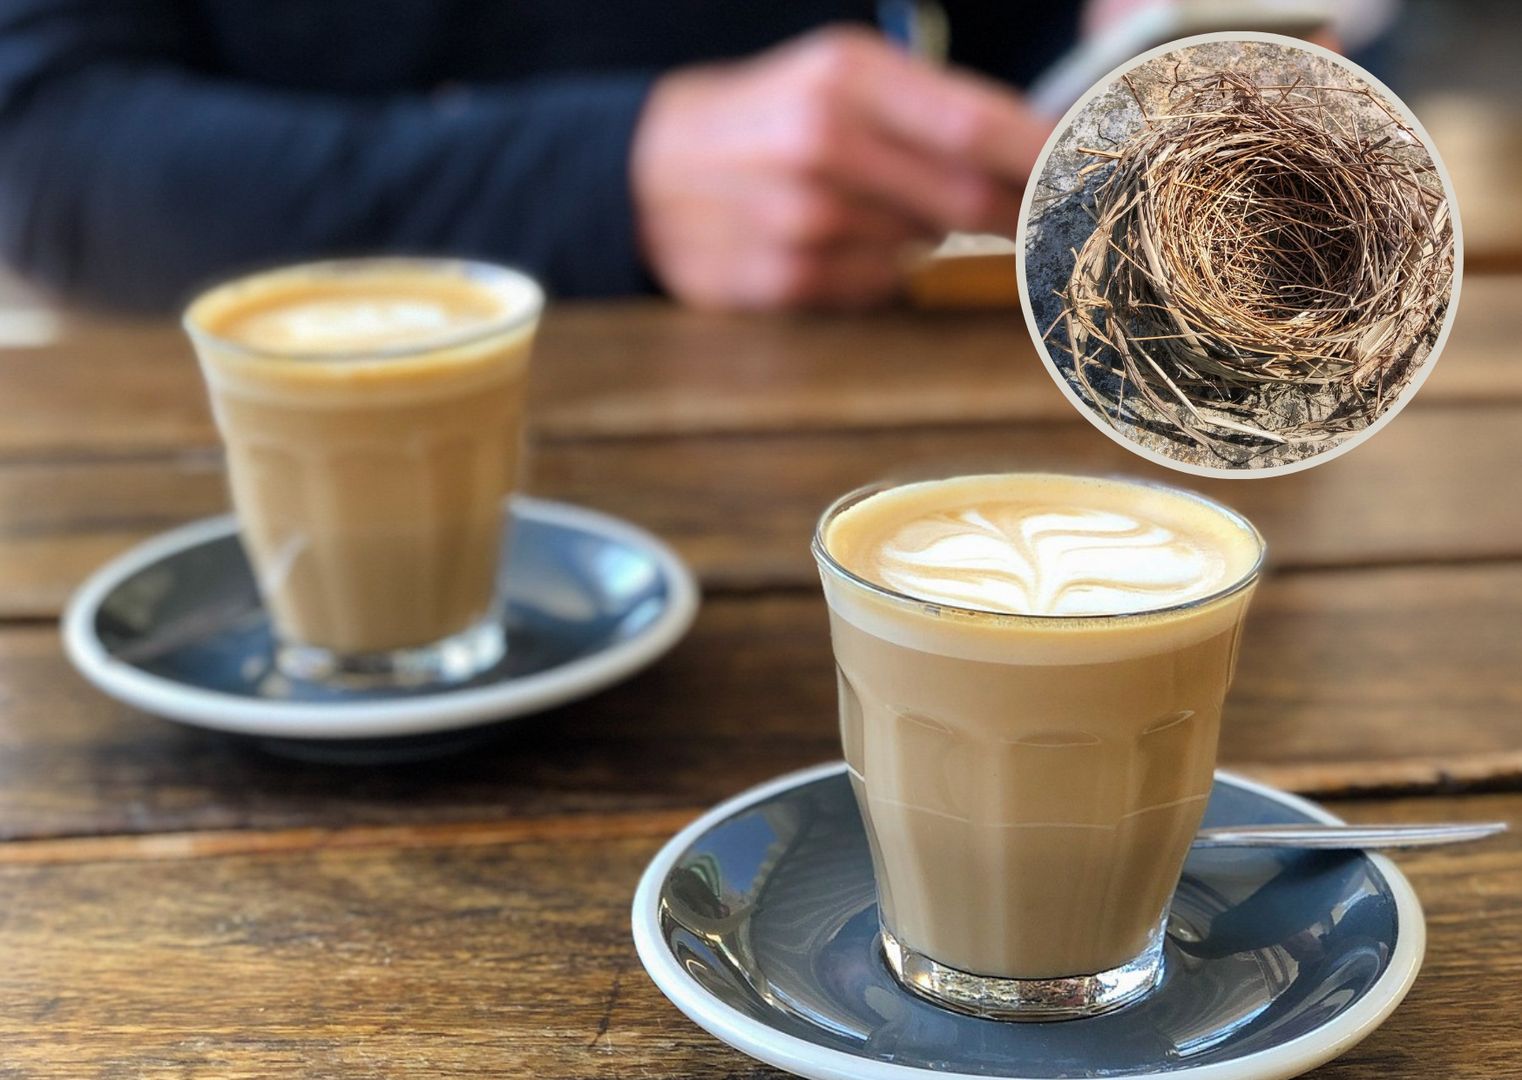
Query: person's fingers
x,y
817,215
851,276
779,182
795,207
941,194
961,117
967,119
861,276
779,278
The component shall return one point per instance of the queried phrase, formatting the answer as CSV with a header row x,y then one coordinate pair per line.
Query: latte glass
x,y
372,438
1030,785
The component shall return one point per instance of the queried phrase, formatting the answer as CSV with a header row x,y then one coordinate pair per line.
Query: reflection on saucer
x,y
760,922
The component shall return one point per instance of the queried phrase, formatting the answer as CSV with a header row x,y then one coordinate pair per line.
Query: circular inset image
x,y
1239,255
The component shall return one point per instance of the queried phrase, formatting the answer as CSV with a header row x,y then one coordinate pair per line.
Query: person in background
x,y
734,155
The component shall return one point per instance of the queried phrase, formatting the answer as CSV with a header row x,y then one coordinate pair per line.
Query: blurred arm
x,y
128,177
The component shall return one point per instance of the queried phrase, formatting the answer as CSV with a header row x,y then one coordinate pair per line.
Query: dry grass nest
x,y
1252,247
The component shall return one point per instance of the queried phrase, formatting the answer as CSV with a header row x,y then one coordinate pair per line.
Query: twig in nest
x,y
1250,246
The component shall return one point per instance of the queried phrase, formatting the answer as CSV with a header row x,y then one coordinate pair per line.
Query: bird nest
x,y
1252,245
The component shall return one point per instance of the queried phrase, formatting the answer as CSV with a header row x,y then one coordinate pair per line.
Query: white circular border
x,y
447,710
1411,387
803,1058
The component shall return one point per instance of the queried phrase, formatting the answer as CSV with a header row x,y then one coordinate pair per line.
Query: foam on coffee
x,y
1027,547
324,332
359,311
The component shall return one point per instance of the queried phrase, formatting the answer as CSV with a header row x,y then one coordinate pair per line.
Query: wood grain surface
x,y
511,957
741,509
184,904
1348,680
110,387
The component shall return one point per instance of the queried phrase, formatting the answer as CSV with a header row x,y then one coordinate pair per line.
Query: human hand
x,y
799,178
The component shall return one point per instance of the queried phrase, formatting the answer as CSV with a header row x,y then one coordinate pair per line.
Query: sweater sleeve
x,y
128,177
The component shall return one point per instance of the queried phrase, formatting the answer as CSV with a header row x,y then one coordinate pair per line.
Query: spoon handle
x,y
1346,836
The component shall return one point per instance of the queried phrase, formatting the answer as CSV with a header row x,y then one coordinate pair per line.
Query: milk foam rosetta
x,y
1041,545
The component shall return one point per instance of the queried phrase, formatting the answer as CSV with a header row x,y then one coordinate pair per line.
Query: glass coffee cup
x,y
372,413
1030,783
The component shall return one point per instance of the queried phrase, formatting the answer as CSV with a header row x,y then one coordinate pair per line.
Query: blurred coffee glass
x,y
372,411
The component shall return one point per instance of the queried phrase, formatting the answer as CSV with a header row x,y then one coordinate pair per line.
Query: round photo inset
x,y
1239,255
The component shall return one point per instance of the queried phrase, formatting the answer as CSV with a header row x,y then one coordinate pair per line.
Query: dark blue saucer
x,y
759,921
176,627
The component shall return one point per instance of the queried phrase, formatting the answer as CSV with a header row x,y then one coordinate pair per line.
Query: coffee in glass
x,y
1031,673
372,413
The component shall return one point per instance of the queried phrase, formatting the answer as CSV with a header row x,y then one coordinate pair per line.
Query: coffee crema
x,y
1041,545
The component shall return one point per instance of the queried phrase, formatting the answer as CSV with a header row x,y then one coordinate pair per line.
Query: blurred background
x,y
234,157
1456,65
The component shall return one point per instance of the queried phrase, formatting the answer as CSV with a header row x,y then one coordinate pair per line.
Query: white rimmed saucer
x,y
175,627
759,922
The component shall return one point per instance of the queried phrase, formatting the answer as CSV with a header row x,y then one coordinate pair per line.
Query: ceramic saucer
x,y
759,922
175,627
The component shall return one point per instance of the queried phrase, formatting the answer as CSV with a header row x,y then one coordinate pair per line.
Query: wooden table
x,y
178,904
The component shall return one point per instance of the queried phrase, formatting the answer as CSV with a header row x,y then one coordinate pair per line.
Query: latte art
x,y
1039,560
1039,544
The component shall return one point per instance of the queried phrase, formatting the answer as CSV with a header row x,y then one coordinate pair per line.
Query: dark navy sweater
x,y
148,145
